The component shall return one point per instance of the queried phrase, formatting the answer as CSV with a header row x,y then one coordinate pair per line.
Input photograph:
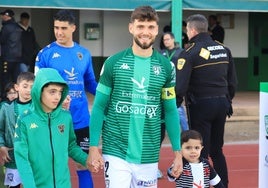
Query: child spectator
x,y
10,93
44,135
8,117
197,172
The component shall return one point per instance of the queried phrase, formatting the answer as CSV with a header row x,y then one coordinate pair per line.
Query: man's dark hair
x,y
198,22
184,23
25,15
65,16
170,34
214,17
143,13
190,134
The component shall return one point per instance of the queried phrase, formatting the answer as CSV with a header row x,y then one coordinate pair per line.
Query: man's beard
x,y
144,45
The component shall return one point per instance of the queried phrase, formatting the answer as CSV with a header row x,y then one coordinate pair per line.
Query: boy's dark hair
x,y
143,13
65,16
190,134
28,76
55,83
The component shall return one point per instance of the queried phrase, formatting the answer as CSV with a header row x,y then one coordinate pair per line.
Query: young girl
x,y
10,93
197,172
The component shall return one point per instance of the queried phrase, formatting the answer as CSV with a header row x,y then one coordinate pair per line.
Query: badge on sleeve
x,y
168,93
204,53
180,63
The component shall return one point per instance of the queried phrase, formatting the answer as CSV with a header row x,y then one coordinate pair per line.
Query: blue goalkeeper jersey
x,y
75,66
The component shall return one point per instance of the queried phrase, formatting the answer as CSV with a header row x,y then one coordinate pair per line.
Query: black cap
x,y
8,12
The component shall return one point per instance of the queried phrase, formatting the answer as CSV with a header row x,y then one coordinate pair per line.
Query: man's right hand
x,y
66,103
95,161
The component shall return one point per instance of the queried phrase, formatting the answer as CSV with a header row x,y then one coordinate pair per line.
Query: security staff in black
x,y
206,77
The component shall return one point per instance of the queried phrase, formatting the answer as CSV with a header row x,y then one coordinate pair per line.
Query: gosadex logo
x,y
148,183
136,108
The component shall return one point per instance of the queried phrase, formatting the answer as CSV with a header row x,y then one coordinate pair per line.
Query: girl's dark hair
x,y
143,13
190,134
65,16
9,86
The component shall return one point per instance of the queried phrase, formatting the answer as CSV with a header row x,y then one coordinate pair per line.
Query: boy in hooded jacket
x,y
9,113
45,132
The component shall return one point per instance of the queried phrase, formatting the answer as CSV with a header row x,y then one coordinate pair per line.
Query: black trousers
x,y
208,116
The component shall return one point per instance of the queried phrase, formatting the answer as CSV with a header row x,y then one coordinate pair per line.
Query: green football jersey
x,y
132,127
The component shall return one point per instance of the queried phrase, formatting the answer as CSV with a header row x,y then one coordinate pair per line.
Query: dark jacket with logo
x,y
205,69
10,37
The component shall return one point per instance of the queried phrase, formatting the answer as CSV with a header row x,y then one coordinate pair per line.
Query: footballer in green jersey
x,y
135,90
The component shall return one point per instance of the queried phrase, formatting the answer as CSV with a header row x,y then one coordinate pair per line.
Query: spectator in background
x,y
172,52
184,37
11,48
29,45
216,31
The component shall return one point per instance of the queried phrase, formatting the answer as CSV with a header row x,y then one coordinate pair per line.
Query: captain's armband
x,y
168,93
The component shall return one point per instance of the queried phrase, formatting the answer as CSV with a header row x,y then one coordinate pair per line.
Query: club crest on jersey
x,y
79,55
10,177
204,53
157,70
180,63
61,128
